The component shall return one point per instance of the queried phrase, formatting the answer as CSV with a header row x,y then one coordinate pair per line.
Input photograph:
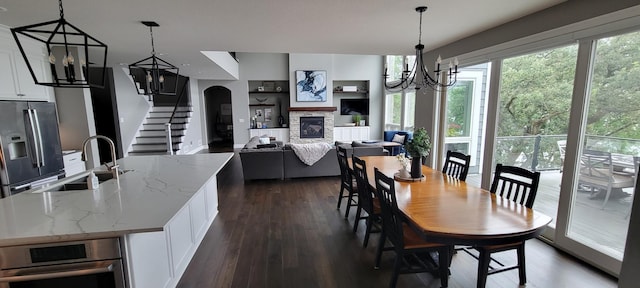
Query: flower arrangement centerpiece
x,y
406,165
419,146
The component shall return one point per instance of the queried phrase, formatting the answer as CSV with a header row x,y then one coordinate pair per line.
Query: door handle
x,y
40,145
34,138
35,273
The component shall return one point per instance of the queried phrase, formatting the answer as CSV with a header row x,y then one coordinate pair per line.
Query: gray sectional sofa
x,y
281,162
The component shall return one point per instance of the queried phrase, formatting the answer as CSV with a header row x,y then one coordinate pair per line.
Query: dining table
x,y
449,211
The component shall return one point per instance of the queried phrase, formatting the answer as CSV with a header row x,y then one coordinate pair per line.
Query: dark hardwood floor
x,y
289,234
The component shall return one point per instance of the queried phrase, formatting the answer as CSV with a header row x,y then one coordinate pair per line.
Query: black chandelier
x,y
152,75
68,43
409,78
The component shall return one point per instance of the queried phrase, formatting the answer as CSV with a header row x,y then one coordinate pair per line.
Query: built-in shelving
x,y
351,92
268,92
268,102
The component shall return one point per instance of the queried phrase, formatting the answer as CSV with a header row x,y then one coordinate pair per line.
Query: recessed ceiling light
x,y
186,64
2,9
123,64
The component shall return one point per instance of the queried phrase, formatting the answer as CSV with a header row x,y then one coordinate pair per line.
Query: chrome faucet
x,y
113,168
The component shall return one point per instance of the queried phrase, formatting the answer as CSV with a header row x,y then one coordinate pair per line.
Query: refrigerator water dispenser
x,y
17,150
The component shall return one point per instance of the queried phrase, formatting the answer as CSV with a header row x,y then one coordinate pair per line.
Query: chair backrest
x,y
345,175
516,184
596,165
364,193
391,216
457,165
562,147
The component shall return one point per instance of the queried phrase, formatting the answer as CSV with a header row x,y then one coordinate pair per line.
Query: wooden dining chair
x,y
406,241
366,200
456,165
346,181
518,185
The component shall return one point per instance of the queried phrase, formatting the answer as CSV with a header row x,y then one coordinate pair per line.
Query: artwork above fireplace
x,y
312,127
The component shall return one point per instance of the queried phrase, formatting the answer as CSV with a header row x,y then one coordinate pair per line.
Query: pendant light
x,y
152,75
67,46
410,78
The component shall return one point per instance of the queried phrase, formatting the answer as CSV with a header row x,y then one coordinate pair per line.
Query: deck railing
x,y
541,152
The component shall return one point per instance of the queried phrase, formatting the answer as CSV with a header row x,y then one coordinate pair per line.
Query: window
x,y
399,105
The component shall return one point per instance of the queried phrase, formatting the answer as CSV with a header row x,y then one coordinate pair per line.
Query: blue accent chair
x,y
388,136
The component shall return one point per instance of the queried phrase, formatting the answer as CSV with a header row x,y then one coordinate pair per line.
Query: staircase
x,y
152,139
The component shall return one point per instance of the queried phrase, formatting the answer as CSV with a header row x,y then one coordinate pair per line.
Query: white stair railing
x,y
169,142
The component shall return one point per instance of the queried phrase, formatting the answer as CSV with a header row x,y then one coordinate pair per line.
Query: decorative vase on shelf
x,y
280,117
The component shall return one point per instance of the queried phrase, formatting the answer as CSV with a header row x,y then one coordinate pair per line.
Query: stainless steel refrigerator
x,y
30,149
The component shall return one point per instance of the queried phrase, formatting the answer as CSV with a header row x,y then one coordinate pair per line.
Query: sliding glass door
x,y
534,100
609,146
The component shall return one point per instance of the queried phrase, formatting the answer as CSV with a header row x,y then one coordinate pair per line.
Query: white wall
x,y
195,135
76,122
132,108
310,62
364,67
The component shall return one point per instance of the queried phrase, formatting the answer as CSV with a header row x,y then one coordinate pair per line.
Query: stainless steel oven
x,y
88,264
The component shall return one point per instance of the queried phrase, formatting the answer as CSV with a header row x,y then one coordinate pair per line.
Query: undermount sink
x,y
81,184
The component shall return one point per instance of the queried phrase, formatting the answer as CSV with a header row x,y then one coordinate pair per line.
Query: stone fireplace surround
x,y
294,123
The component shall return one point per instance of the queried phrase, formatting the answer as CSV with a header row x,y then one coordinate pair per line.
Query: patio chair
x,y
636,165
596,172
562,147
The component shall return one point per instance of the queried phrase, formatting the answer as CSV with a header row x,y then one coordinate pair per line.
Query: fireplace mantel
x,y
324,109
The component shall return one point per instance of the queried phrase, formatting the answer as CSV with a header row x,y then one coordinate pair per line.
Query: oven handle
x,y
36,275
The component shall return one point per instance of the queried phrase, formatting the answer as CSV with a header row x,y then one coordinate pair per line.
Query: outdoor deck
x,y
605,229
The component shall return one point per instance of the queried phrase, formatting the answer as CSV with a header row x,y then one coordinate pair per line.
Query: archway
x,y
219,117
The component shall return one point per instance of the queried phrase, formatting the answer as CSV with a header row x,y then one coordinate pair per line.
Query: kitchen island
x,y
160,209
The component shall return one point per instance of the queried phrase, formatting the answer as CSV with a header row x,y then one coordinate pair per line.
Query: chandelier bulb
x,y
161,79
149,78
65,62
52,59
70,59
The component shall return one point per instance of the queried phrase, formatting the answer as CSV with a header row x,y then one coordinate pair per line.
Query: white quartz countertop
x,y
145,200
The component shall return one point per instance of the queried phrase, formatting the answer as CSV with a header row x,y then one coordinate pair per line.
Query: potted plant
x,y
357,118
418,147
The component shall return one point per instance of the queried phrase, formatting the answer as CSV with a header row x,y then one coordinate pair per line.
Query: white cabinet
x,y
16,82
348,134
158,259
281,134
73,163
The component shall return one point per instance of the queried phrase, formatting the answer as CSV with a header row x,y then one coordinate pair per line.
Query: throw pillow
x,y
253,143
398,138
